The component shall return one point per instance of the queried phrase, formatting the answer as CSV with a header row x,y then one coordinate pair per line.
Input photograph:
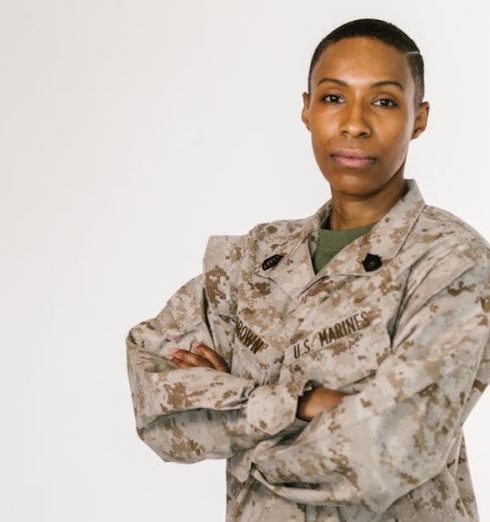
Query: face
x,y
347,114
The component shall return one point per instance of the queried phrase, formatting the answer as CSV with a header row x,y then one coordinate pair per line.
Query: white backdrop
x,y
130,131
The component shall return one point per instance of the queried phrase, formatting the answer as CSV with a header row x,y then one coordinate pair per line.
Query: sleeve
x,y
191,414
375,446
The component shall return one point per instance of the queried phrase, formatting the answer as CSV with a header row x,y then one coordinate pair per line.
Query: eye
x,y
393,104
336,96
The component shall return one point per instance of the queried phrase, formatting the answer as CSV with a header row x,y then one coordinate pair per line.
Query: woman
x,y
332,360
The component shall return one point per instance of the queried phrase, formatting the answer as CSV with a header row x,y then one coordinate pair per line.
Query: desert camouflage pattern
x,y
407,343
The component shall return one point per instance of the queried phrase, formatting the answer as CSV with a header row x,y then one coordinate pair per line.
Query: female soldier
x,y
332,360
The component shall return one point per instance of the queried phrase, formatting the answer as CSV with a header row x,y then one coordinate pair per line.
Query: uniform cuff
x,y
272,407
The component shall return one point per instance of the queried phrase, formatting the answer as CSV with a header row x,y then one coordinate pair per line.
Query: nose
x,y
354,123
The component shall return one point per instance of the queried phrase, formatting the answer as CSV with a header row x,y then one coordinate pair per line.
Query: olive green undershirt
x,y
330,242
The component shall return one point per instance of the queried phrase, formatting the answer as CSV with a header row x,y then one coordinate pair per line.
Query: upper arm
x,y
444,325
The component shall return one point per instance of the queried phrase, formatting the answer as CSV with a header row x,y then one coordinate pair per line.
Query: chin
x,y
357,183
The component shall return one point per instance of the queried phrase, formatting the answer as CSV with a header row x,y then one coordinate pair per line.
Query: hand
x,y
316,401
204,357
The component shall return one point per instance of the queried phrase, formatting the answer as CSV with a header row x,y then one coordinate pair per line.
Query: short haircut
x,y
385,32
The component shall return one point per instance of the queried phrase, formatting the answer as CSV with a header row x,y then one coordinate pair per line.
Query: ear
x,y
420,120
305,112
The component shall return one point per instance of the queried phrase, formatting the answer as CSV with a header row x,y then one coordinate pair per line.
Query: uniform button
x,y
371,262
271,261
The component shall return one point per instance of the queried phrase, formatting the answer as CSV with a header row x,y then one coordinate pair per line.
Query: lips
x,y
353,158
352,153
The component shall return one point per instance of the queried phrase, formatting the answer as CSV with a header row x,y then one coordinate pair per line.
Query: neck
x,y
352,212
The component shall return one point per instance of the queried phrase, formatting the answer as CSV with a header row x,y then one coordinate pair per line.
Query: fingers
x,y
211,355
203,356
186,359
182,364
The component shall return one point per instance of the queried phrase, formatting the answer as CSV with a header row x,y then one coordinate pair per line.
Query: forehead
x,y
361,60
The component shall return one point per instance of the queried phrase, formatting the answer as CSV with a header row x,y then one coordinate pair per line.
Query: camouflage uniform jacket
x,y
406,339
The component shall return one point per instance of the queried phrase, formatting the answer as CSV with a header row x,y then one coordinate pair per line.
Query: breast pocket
x,y
245,364
342,360
249,352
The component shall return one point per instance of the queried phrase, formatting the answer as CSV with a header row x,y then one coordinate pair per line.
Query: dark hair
x,y
387,33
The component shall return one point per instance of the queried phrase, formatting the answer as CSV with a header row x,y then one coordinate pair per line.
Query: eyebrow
x,y
375,84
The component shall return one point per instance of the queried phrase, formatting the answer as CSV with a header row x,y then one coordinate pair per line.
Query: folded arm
x,y
190,414
375,446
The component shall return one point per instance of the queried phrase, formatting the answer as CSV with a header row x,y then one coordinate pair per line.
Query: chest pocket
x,y
245,364
345,363
244,361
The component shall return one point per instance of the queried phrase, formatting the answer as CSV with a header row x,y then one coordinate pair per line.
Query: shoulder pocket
x,y
187,304
221,266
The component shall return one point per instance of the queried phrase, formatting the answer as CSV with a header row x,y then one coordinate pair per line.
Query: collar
x,y
295,273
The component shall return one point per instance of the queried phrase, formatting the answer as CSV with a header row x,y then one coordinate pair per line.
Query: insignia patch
x,y
371,262
271,261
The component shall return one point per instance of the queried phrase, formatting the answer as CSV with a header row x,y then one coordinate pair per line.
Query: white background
x,y
130,131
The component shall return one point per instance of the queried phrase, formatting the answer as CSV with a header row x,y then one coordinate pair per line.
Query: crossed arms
x,y
311,403
368,448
